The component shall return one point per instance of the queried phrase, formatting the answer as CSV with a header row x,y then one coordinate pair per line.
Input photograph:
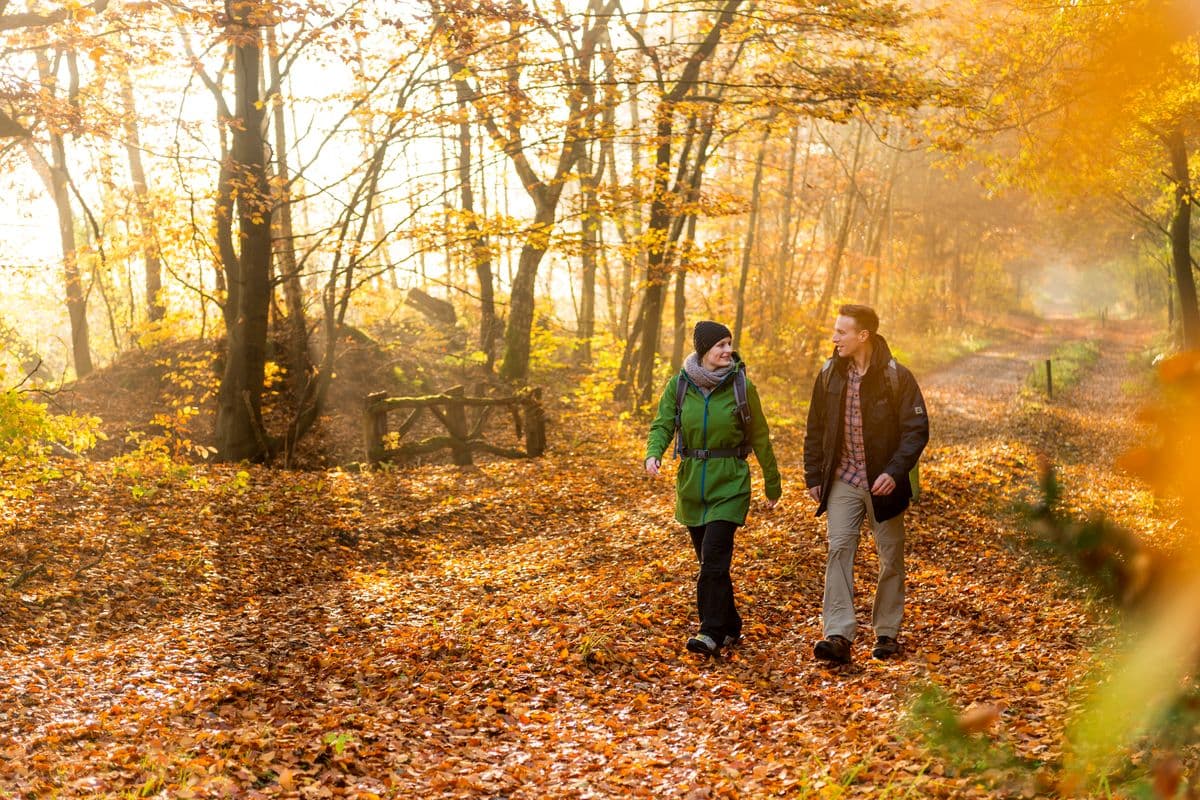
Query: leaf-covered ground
x,y
516,629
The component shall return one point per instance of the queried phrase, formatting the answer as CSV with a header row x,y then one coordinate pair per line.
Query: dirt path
x,y
516,631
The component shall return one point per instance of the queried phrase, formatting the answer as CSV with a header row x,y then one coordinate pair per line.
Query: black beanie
x,y
707,334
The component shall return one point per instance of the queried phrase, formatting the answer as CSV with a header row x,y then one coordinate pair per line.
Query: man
x,y
866,429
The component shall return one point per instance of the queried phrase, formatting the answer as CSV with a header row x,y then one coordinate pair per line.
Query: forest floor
x,y
516,629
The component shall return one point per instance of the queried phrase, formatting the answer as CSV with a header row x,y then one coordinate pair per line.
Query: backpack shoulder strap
x,y
826,373
681,386
892,373
739,396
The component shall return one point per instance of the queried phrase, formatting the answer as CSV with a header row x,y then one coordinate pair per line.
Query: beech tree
x,y
60,116
240,431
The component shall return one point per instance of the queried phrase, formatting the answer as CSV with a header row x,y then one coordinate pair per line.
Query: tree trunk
x,y
54,174
681,300
656,280
1170,306
751,231
843,237
634,234
370,145
287,268
481,253
783,258
878,225
521,306
794,290
1181,240
635,179
155,308
589,247
620,308
240,433
76,297
666,239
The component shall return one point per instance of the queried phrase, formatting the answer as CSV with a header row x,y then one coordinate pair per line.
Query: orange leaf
x,y
287,779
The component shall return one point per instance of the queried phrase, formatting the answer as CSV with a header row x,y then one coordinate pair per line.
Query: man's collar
x,y
870,359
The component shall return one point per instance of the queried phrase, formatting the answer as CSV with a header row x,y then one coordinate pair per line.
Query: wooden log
x,y
435,443
452,395
430,445
445,399
480,421
535,424
507,452
456,423
374,426
408,423
434,308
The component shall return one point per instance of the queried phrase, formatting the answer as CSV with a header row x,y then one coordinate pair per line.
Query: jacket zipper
x,y
704,446
704,465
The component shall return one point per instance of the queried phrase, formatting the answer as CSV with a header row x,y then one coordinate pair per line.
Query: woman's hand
x,y
652,465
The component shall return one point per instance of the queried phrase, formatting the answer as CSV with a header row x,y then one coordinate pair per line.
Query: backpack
x,y
743,416
892,375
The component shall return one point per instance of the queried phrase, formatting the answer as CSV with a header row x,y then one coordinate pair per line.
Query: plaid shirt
x,y
853,467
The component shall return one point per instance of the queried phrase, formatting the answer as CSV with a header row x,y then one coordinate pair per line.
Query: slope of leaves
x,y
516,628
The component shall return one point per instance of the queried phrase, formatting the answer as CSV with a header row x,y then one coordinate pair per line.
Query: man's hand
x,y
883,485
815,493
652,465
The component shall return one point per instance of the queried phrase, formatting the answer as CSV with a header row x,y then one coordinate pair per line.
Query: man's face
x,y
847,337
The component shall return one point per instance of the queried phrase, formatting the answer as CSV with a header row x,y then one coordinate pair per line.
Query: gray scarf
x,y
705,379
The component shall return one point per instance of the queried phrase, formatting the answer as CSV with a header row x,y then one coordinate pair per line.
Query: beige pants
x,y
848,506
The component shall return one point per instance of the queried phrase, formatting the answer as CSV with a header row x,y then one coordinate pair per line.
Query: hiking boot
x,y
835,649
703,644
885,647
731,639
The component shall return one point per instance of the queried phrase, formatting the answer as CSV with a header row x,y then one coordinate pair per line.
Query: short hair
x,y
863,316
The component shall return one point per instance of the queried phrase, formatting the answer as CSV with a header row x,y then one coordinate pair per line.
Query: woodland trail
x,y
515,630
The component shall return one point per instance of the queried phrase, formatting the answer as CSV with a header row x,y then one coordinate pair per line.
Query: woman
x,y
712,486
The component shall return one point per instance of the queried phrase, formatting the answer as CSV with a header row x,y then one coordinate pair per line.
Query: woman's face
x,y
719,356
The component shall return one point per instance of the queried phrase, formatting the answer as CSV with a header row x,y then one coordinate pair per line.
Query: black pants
x,y
714,589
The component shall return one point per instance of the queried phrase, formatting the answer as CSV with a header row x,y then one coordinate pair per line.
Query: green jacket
x,y
716,488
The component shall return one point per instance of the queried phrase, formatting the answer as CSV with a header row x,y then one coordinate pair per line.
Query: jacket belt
x,y
741,451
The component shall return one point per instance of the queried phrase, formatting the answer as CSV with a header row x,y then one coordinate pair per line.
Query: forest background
x,y
577,184
226,224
